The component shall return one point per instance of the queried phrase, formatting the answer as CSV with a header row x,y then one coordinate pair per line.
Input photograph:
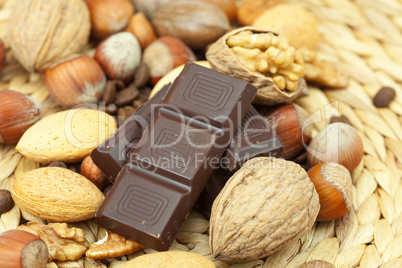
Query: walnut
x,y
40,32
269,54
64,244
266,205
112,245
262,58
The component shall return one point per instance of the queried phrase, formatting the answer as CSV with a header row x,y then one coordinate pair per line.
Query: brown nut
x,y
22,249
195,23
119,56
42,33
109,16
227,6
141,28
287,120
111,246
76,81
249,10
93,173
17,113
339,143
334,187
6,201
149,7
164,54
265,206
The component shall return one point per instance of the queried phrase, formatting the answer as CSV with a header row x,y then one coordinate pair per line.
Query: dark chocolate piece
x,y
113,154
253,138
178,152
211,190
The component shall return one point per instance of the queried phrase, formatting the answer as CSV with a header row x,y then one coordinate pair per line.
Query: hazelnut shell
x,y
334,187
17,113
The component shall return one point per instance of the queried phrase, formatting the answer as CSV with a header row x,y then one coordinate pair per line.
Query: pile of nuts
x,y
100,60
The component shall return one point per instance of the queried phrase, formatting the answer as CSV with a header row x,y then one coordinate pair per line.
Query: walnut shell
x,y
224,60
265,206
42,33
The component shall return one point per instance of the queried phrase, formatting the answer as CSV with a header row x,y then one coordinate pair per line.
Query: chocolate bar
x,y
154,193
253,138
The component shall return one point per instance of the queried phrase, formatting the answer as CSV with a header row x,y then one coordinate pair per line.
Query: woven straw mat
x,y
363,38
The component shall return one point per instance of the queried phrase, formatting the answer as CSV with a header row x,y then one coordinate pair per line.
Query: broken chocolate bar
x,y
176,155
253,138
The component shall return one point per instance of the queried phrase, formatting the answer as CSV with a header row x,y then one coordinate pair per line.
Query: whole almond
x,y
178,259
57,194
66,136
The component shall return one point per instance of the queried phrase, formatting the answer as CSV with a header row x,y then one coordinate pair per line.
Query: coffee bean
x,y
384,97
126,96
125,112
142,75
6,201
138,103
144,93
110,92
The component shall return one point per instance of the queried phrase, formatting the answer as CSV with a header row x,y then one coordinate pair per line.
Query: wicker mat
x,y
363,38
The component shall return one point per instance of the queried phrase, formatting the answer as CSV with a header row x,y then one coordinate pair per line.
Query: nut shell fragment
x,y
265,206
224,59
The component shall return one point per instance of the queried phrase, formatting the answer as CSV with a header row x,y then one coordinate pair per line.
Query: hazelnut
x,y
91,171
195,23
119,56
17,113
76,81
142,29
339,143
164,54
108,16
333,184
287,121
6,201
22,249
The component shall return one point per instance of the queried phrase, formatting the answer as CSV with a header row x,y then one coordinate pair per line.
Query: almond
x,y
67,136
57,194
176,259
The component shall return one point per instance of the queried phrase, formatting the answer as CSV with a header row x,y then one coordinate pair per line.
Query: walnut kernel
x,y
269,54
62,242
